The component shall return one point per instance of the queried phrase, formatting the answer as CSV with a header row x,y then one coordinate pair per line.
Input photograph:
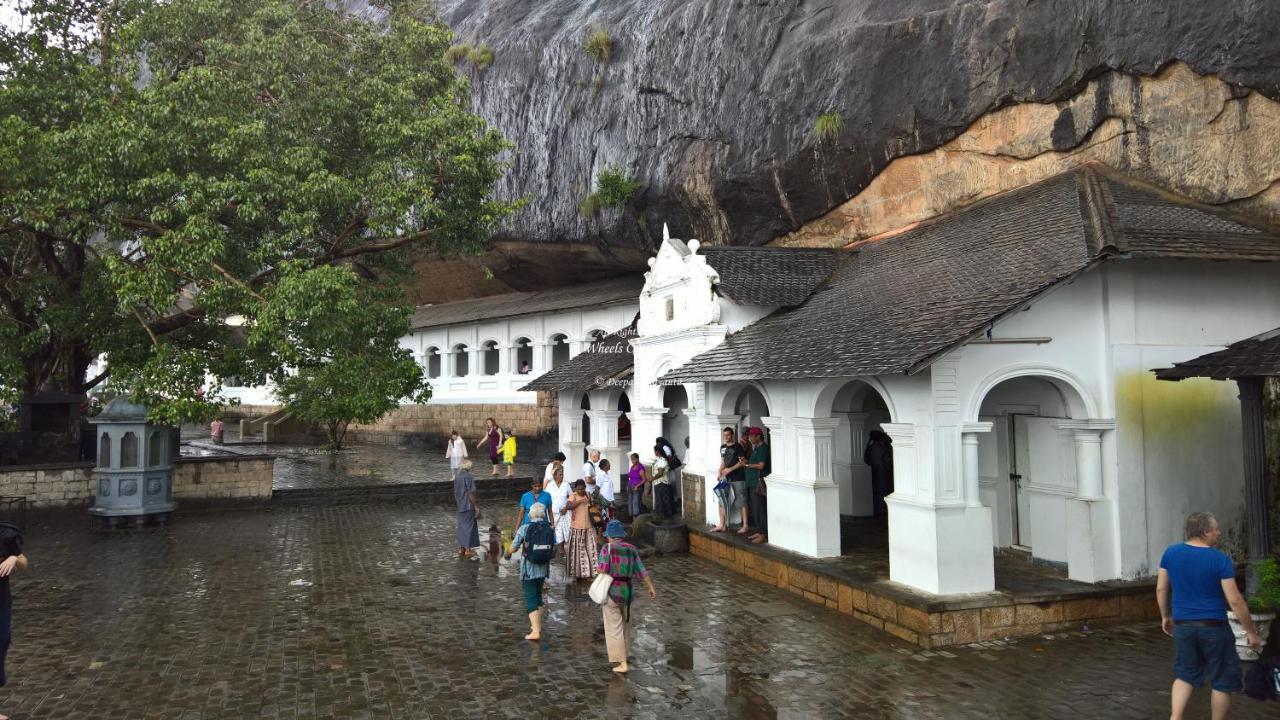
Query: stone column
x,y
1090,531
805,507
936,544
604,437
970,436
570,433
646,426
852,475
1257,509
504,361
541,359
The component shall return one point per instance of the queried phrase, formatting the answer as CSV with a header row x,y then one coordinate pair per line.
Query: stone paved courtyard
x,y
362,611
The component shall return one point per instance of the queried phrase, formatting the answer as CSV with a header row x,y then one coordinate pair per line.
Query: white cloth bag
x,y
600,588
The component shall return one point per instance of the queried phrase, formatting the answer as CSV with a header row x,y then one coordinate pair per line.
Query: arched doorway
x,y
559,350
862,463
522,359
1027,469
433,362
491,357
751,407
675,423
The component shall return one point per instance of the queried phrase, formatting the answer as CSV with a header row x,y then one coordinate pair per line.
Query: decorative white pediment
x,y
677,292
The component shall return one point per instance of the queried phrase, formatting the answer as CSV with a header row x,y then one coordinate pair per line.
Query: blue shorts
x,y
1207,652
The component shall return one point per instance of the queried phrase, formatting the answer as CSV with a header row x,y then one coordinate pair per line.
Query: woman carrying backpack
x,y
537,541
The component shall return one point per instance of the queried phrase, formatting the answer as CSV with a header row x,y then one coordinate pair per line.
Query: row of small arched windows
x,y
491,363
129,450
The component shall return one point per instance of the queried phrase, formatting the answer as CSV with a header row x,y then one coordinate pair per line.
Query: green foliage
x,y
481,57
1267,596
345,363
599,45
827,127
458,52
614,188
208,159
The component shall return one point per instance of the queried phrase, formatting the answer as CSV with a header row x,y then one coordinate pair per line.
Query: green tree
x,y
167,166
341,373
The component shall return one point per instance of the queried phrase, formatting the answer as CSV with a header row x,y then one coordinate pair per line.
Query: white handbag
x,y
600,588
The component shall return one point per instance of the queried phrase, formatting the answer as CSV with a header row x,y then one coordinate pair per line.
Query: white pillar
x,y
541,358
804,507
972,465
1091,526
646,426
570,432
938,545
604,437
1087,438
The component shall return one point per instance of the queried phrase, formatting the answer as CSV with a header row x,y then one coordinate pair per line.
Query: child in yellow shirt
x,y
509,453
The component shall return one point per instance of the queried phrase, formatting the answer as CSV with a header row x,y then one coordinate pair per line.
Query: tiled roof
x,y
1254,357
898,302
769,276
606,292
607,361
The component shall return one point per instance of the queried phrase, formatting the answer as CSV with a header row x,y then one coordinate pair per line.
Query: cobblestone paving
x,y
361,611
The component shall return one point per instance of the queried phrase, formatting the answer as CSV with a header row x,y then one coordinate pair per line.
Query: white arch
x,y
491,339
552,336
827,396
733,393
1079,401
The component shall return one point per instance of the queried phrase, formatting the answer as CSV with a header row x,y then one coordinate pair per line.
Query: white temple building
x,y
1006,349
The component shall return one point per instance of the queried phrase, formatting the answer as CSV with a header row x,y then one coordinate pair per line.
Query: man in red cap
x,y
757,468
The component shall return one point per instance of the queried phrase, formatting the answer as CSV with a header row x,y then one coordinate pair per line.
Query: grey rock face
x,y
712,103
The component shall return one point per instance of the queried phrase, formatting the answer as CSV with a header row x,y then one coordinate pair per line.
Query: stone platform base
x,y
932,621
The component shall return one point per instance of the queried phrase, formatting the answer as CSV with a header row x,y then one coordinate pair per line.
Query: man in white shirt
x,y
591,467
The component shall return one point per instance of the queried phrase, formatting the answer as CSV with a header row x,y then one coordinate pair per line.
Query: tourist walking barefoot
x,y
583,550
637,480
559,491
455,451
509,452
536,541
14,560
620,560
492,441
464,492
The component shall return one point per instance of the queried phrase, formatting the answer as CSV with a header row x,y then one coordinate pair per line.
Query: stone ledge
x,y
923,620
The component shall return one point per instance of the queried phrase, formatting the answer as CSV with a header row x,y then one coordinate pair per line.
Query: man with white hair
x,y
537,541
591,467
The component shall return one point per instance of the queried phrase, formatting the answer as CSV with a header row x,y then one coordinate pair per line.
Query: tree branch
x,y
95,381
237,281
388,244
145,326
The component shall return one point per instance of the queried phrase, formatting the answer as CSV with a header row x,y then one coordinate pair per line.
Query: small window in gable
x,y
670,309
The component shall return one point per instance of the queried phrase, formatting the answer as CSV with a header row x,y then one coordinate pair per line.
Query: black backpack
x,y
539,542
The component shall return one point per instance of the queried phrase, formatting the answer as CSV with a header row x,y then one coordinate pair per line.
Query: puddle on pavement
x,y
741,692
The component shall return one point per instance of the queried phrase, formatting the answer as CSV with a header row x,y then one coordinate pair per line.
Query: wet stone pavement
x,y
362,611
301,467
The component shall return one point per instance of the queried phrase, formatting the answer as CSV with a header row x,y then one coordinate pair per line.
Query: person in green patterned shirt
x,y
621,561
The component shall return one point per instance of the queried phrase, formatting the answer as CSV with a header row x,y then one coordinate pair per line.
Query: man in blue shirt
x,y
1203,581
535,495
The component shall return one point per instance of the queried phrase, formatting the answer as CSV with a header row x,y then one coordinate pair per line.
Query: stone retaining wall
x,y
216,478
244,478
528,420
937,623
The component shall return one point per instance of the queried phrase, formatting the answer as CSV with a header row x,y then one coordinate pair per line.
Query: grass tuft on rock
x,y
614,188
827,127
457,53
481,57
599,45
